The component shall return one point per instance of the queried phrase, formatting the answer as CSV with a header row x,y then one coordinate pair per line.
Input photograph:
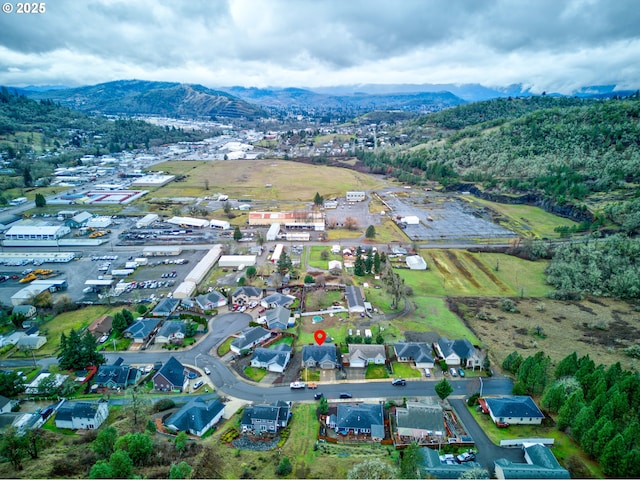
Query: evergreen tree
x,y
128,316
119,323
40,200
121,464
104,443
237,234
79,351
512,362
376,263
605,435
570,410
582,423
180,470
443,388
368,262
318,200
612,458
26,176
410,461
567,366
370,233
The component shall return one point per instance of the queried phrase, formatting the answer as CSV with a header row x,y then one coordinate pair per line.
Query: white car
x,y
453,372
207,371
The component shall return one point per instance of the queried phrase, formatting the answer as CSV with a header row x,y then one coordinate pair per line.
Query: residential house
x,y
361,419
141,331
101,326
361,355
320,356
266,418
82,415
6,404
171,376
420,422
29,311
355,300
433,465
418,352
273,359
277,299
31,342
116,376
335,265
172,331
246,295
210,301
458,352
276,318
196,417
541,463
514,410
165,307
249,338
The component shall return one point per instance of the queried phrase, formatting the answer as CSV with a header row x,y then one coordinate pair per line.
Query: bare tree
x,y
350,223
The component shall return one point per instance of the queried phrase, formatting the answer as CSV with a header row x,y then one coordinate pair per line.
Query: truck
x,y
297,385
18,201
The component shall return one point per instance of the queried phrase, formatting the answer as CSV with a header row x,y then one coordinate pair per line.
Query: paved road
x,y
487,450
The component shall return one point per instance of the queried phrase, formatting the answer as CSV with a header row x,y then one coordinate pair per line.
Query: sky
x,y
546,45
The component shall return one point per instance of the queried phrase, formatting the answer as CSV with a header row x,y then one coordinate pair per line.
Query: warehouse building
x,y
356,196
147,220
219,224
272,233
187,288
34,235
162,251
189,222
235,261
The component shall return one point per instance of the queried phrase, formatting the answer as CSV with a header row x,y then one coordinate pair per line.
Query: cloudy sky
x,y
552,45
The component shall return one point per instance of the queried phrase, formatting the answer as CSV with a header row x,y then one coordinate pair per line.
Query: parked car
x,y
207,371
461,372
427,372
453,372
297,385
399,382
345,395
318,396
466,457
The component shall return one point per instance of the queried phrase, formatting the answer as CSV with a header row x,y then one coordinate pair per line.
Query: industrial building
x,y
235,261
297,236
189,222
356,196
156,180
300,219
162,251
26,295
18,258
220,224
34,235
147,220
199,272
272,233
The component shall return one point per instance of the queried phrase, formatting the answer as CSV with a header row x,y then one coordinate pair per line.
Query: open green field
x,y
262,179
463,273
527,220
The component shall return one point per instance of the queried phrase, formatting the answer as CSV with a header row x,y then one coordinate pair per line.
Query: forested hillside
x,y
36,136
563,149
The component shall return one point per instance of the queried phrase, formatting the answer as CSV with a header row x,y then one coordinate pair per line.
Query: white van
x,y
198,384
207,371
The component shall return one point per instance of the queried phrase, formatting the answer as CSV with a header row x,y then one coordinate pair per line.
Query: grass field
x,y
250,179
525,219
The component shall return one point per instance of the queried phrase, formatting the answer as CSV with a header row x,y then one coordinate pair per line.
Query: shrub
x,y
508,305
164,404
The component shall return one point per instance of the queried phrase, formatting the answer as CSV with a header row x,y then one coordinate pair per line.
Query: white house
x,y
82,415
361,355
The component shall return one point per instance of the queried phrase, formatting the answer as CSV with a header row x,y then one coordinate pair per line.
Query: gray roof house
x,y
458,352
165,307
244,295
420,422
249,338
6,404
142,330
273,359
82,415
28,311
355,300
196,417
210,300
171,376
361,355
418,352
117,375
277,299
361,419
321,356
277,318
541,463
31,342
515,410
171,331
432,465
266,418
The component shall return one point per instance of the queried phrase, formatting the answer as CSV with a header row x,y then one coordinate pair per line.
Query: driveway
x,y
488,452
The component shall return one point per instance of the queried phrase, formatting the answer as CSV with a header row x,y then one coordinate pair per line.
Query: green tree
x,y
13,447
121,464
318,200
308,279
119,323
323,406
40,200
443,388
410,461
284,467
284,264
251,272
370,233
570,410
568,366
138,446
180,470
104,443
79,351
33,442
376,263
226,208
11,384
612,457
128,316
181,441
27,178
101,469
373,469
237,234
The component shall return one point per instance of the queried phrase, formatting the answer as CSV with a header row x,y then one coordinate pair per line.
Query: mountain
x,y
138,97
349,103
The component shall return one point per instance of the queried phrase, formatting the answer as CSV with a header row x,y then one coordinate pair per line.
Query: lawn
x,y
225,347
255,374
376,372
64,322
315,257
262,179
563,447
404,370
340,233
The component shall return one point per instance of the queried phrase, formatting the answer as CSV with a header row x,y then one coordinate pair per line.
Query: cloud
x,y
547,44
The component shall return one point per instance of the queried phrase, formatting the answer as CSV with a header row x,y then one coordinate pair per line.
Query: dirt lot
x,y
599,327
